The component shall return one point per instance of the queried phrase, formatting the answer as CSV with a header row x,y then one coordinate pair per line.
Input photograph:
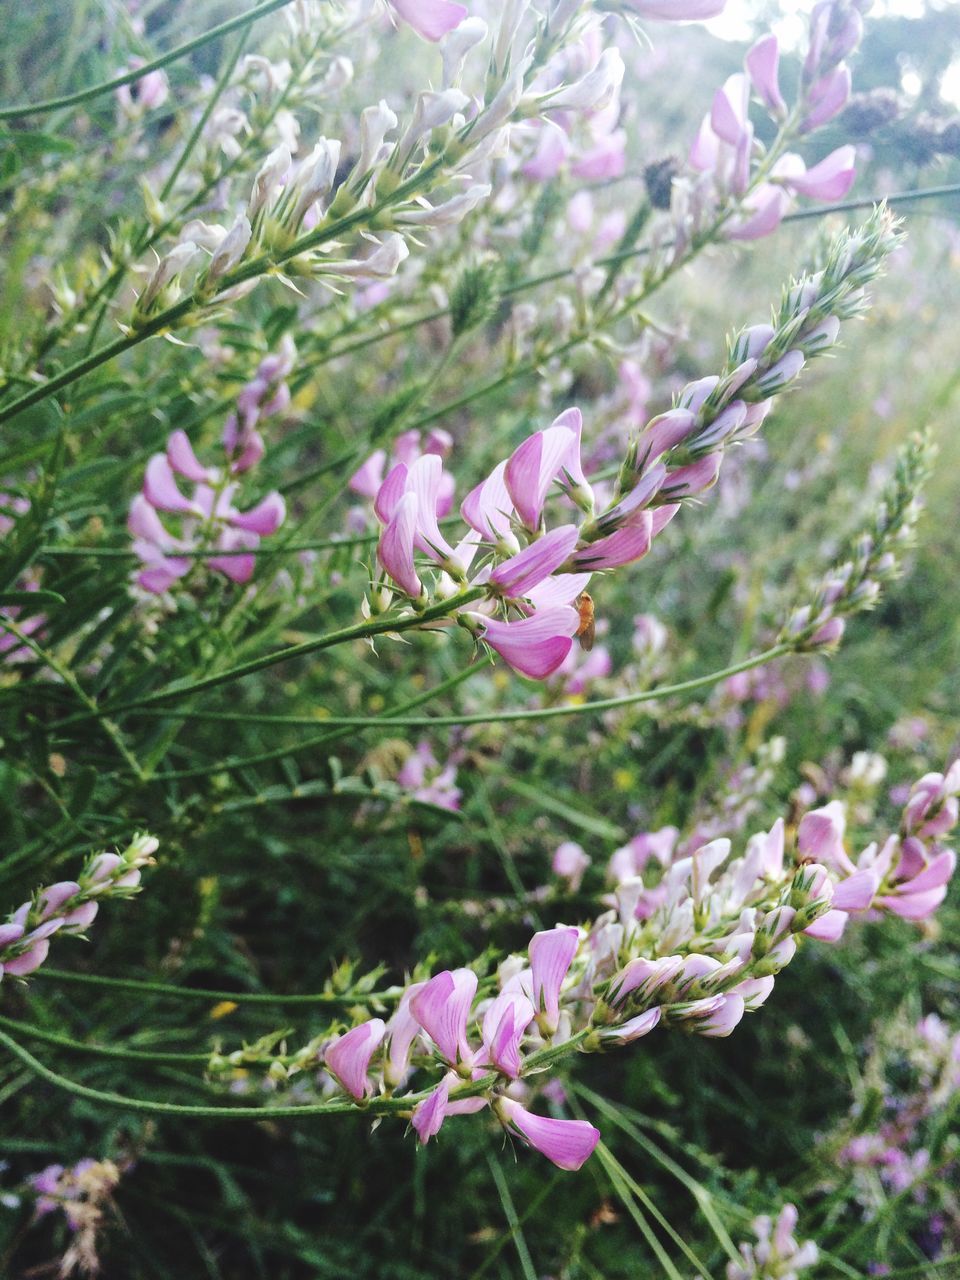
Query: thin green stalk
x,y
614,1173
129,77
33,1032
513,1222
360,631
205,994
498,717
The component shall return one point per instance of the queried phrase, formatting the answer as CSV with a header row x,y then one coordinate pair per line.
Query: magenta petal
x,y
160,488
238,568
856,892
265,518
503,1026
936,873
532,468
395,549
729,112
487,508
622,547
551,953
390,492
909,906
10,932
429,1115
424,479
442,1007
143,522
348,1058
831,179
827,98
534,646
567,1143
368,477
724,1019
183,460
402,1029
634,1028
829,927
81,916
516,576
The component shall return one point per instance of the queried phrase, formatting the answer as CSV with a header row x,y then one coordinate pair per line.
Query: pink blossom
x,y
551,953
348,1058
431,19
677,10
567,1143
533,646
442,1007
762,63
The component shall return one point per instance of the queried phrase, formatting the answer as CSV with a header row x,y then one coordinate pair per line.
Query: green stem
x,y
129,77
98,1050
219,997
360,631
497,717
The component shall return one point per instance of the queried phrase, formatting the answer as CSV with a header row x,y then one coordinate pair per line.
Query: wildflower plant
x,y
385,525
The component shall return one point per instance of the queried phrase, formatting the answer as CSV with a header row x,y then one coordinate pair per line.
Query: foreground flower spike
x,y
348,1058
551,954
567,1143
442,1007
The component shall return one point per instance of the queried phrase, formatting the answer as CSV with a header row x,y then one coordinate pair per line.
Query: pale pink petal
x,y
533,646
551,953
160,488
518,575
567,1143
348,1058
183,460
431,19
395,548
265,518
442,1007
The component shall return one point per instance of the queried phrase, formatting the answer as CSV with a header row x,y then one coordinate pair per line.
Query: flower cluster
x,y
914,1072
70,906
520,595
776,1255
211,528
428,781
726,148
81,1193
693,941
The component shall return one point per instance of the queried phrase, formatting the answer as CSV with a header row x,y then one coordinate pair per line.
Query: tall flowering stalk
x,y
693,941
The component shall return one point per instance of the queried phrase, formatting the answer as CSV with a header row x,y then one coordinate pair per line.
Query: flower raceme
x,y
522,577
208,519
70,906
694,943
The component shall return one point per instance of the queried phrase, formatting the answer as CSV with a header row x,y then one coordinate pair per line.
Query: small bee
x,y
587,630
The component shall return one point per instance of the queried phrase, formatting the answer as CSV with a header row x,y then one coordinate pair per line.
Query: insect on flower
x,y
587,630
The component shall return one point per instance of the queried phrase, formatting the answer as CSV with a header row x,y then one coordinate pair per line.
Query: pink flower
x,y
569,863
551,954
831,179
633,1028
763,63
429,1115
533,467
503,1026
348,1058
567,1143
827,98
514,578
442,1007
533,646
431,19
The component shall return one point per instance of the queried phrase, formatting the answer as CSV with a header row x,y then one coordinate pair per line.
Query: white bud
x,y
271,173
375,123
231,250
380,265
451,211
455,46
592,92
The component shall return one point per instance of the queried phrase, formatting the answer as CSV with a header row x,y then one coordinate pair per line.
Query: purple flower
x,y
677,10
348,1058
567,1143
551,954
442,1007
504,1024
533,646
763,63
515,577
